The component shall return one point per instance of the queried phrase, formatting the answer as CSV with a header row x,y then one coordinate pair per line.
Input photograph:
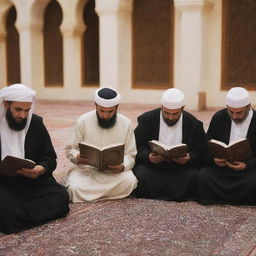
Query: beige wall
x,y
197,50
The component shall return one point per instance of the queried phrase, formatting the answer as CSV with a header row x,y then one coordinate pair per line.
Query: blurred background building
x,y
65,49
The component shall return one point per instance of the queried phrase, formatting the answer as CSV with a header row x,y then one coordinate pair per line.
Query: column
x,y
31,54
115,26
191,50
72,56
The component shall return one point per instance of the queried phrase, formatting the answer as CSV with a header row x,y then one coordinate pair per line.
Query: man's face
x,y
106,116
238,115
171,116
17,113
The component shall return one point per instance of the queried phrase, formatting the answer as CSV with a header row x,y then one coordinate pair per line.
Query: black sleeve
x,y
38,146
142,136
197,145
146,130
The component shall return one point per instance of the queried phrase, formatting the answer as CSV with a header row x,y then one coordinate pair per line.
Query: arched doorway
x,y
12,48
238,44
53,45
91,46
153,44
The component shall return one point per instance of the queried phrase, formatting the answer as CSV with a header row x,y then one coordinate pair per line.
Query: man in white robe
x,y
102,127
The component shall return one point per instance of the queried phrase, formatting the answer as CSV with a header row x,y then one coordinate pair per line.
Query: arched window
x,y
152,44
53,48
239,44
91,46
12,48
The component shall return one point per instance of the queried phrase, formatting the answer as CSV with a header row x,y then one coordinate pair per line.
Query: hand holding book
x,y
11,166
103,157
238,150
168,152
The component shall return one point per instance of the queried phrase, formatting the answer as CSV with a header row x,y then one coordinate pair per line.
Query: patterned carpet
x,y
141,227
134,227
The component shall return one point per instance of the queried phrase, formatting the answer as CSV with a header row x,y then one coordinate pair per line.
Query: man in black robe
x,y
171,125
33,197
223,181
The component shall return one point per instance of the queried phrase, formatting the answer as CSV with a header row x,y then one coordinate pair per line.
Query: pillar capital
x,y
110,7
72,31
29,27
193,5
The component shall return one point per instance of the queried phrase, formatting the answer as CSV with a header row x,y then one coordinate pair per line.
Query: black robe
x,y
168,181
26,202
223,184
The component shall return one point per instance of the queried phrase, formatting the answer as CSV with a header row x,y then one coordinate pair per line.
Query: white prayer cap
x,y
237,97
173,99
17,92
107,97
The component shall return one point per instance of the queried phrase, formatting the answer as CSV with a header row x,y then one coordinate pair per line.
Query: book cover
x,y
102,157
236,151
10,165
168,152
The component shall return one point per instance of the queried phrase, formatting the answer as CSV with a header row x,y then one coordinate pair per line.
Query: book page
x,y
90,152
219,143
112,156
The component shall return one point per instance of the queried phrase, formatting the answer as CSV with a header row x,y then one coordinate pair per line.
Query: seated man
x,y
231,182
171,125
102,127
33,197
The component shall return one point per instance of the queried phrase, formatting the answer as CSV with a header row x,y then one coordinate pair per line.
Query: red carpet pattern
x,y
134,227
140,227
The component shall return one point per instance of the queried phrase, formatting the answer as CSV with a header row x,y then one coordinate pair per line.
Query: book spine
x,y
101,167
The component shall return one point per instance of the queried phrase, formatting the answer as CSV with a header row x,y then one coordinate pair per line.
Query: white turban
x,y
107,97
13,142
237,97
173,99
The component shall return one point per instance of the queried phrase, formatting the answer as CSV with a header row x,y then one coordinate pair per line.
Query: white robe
x,y
86,183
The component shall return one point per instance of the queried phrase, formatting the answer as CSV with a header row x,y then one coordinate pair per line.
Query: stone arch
x,y
90,45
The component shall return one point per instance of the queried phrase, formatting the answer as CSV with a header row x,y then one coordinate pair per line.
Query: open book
x,y
236,151
102,157
11,164
168,152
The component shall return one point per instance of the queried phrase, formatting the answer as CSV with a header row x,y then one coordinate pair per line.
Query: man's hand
x,y
182,160
155,158
116,168
220,162
32,173
82,160
237,166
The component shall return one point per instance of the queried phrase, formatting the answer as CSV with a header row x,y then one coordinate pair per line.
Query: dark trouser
x,y
218,185
28,204
176,183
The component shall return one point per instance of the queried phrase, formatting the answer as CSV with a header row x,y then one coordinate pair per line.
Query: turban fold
x,y
17,92
107,97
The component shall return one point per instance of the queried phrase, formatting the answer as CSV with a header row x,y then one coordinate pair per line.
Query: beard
x,y
106,124
240,120
12,123
171,122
